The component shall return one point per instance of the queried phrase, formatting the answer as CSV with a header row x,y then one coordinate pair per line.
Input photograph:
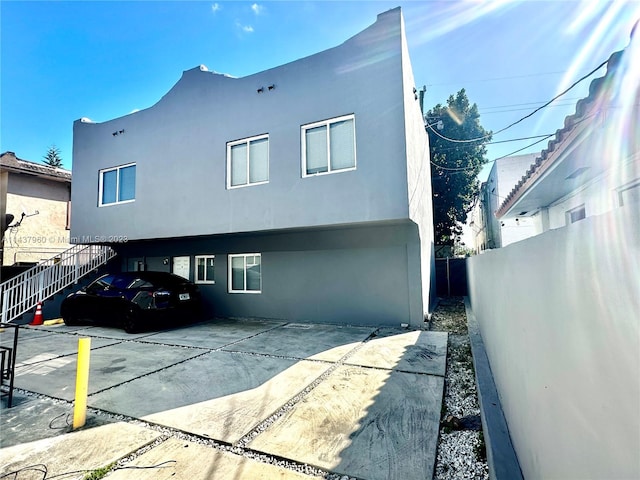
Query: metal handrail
x,y
8,357
22,293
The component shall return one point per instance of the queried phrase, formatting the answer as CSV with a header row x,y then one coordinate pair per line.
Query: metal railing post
x,y
75,279
448,279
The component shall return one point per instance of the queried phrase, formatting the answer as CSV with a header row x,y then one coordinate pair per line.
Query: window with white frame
x,y
205,269
329,146
248,161
245,274
629,194
575,214
117,185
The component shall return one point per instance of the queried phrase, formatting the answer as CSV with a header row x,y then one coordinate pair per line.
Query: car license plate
x,y
184,296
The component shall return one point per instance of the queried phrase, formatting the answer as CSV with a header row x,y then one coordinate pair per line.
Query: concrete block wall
x,y
558,314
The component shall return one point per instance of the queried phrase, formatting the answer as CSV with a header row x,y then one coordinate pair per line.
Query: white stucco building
x,y
489,232
592,166
300,192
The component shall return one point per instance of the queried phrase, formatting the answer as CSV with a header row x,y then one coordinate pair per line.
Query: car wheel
x,y
70,319
131,320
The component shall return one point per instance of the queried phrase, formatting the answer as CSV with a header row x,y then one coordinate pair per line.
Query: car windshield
x,y
121,283
102,283
140,283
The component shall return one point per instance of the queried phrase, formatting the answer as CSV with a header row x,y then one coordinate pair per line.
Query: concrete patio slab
x,y
417,352
33,419
77,452
220,395
6,334
191,461
319,342
212,334
378,420
99,331
109,366
368,423
59,327
45,348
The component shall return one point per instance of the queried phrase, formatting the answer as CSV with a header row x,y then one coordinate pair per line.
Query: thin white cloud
x,y
257,9
244,28
216,7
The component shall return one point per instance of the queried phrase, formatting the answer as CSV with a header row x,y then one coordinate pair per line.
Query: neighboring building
x,y
488,231
591,167
301,192
37,198
558,312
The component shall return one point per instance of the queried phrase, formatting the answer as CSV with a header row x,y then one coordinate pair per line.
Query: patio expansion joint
x,y
293,401
146,341
149,373
225,447
20,365
167,433
396,370
271,355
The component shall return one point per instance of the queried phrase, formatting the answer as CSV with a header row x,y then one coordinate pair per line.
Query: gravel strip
x,y
461,451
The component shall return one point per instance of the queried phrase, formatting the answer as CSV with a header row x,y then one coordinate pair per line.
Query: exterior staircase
x,y
22,293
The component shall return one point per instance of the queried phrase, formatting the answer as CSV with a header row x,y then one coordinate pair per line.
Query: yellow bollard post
x,y
82,383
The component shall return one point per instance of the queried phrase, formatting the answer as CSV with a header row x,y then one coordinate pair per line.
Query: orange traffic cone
x,y
37,318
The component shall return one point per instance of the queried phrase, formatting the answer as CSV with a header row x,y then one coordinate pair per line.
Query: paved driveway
x,y
252,399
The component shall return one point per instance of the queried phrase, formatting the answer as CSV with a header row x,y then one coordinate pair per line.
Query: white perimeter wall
x,y
560,318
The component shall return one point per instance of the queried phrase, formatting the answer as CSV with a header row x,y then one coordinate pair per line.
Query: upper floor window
x,y
576,214
329,146
629,194
118,185
248,161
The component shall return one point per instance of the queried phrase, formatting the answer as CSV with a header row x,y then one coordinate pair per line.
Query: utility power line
x,y
567,104
482,80
462,169
478,139
544,137
524,104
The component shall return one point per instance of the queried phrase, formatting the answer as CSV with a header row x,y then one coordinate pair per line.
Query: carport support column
x,y
82,383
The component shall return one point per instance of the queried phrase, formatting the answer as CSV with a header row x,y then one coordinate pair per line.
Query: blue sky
x,y
61,61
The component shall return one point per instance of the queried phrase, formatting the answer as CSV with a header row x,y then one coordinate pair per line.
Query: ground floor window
x,y
245,274
205,269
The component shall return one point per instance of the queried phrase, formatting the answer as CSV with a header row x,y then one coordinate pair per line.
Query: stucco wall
x,y
341,275
179,147
39,236
558,315
418,185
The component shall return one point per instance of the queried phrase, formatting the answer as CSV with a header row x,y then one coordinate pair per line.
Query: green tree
x,y
457,143
52,157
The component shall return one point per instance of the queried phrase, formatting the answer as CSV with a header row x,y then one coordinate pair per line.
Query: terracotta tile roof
x,y
573,124
9,161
